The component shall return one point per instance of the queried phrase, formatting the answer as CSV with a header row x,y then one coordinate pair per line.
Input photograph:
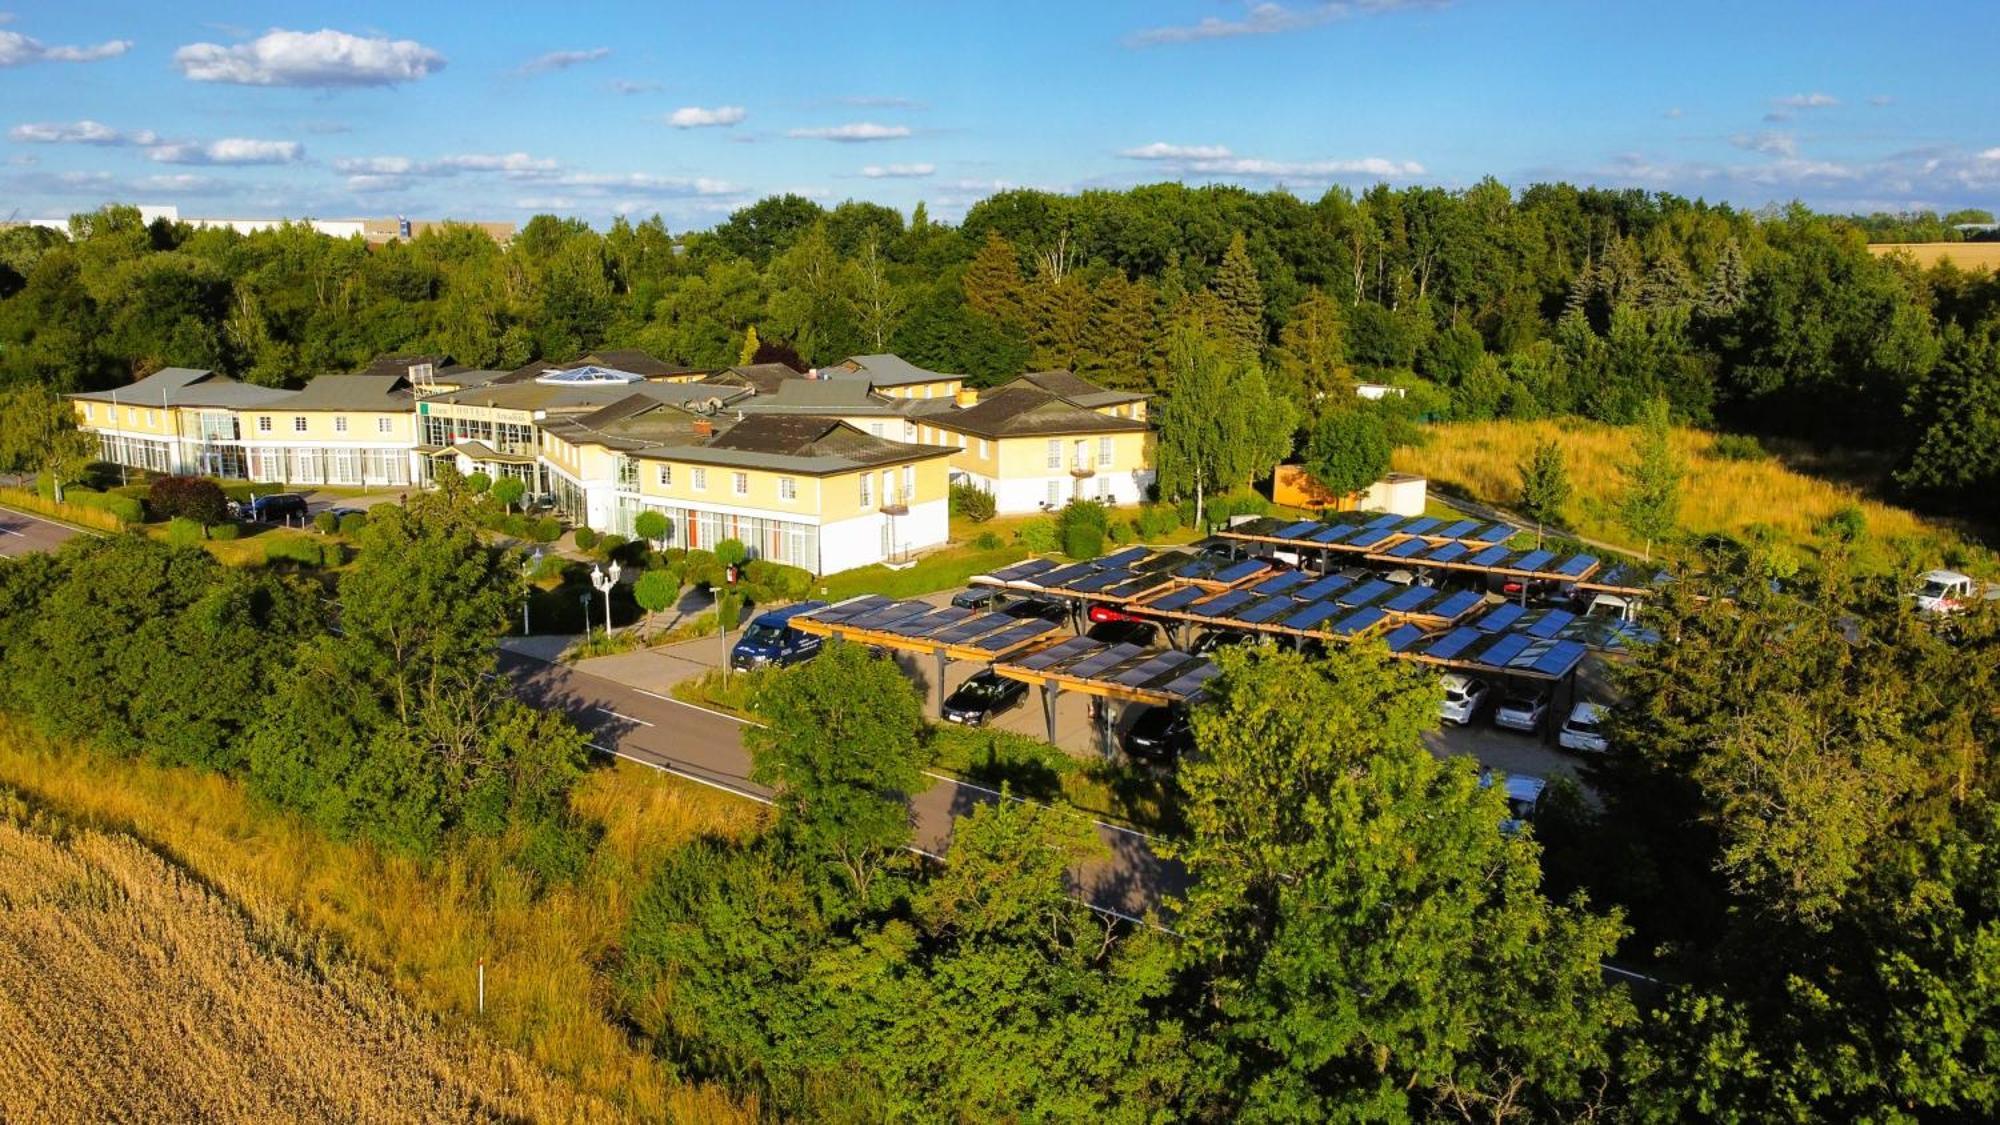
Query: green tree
x,y
750,346
656,589
839,744
1371,942
653,526
38,435
508,490
1650,505
1220,425
1239,301
1311,357
1545,487
1349,449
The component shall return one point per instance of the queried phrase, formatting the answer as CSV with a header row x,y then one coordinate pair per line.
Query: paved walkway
x,y
23,534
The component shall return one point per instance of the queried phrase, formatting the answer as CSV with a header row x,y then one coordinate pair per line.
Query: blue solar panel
x,y
1312,615
1027,569
966,630
1365,593
895,611
1550,623
1265,610
1499,617
1336,533
1165,667
1408,548
1456,530
1098,663
1498,533
1124,558
1368,537
1576,567
1558,660
1505,647
1322,587
1197,568
1456,606
1280,582
1450,552
1008,638
1059,653
1402,637
1381,522
1136,586
1358,622
1100,580
1419,525
1409,600
849,610
1224,605
1298,530
928,624
1189,684
1056,579
1451,644
1534,560
1237,572
1491,556
1178,600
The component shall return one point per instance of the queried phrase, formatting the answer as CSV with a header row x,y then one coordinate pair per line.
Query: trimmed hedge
x,y
124,509
81,515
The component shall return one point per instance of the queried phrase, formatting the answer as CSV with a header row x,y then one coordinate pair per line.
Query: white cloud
x,y
1160,150
17,49
84,132
1268,18
512,163
852,133
898,171
1990,154
1882,99
700,117
643,184
1813,100
229,150
1770,142
631,86
324,58
382,173
868,101
1218,160
561,60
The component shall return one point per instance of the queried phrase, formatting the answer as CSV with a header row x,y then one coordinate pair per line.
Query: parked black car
x,y
1160,734
983,696
278,507
1141,633
985,599
1215,639
1043,608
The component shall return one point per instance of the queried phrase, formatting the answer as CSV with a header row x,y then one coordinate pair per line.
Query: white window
x,y
1055,455
982,449
152,419
131,416
263,423
788,489
340,423
1104,453
867,493
666,476
86,412
909,482
700,481
1055,494
875,428
298,423
382,425
739,483
909,431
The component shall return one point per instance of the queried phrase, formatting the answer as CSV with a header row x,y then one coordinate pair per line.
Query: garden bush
x,y
183,532
548,529
1157,521
781,582
352,523
226,530
972,502
988,541
125,509
1037,535
609,543
296,549
1081,526
1739,447
326,523
586,538
478,483
198,498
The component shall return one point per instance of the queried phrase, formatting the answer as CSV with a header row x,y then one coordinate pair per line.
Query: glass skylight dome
x,y
588,374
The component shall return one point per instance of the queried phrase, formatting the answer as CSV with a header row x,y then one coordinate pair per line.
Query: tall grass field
x,y
421,926
1719,493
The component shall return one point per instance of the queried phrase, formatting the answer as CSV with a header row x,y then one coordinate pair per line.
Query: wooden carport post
x,y
937,693
1050,692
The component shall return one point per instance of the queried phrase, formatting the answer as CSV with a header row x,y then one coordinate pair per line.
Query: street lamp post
x,y
604,580
583,600
528,564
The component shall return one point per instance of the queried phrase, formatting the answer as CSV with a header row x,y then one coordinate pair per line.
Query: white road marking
x,y
11,531
696,707
617,715
730,789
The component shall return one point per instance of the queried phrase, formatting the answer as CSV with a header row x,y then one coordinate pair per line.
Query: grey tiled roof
x,y
189,386
1023,411
884,370
353,392
1075,389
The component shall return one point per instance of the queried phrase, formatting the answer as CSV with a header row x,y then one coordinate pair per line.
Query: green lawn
x,y
943,569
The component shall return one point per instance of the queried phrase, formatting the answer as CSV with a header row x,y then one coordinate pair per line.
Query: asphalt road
x,y
22,534
707,747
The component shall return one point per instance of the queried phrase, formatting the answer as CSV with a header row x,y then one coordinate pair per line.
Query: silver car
x,y
1463,697
1583,731
1522,710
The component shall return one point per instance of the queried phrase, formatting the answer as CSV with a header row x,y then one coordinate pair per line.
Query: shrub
x,y
731,552
1038,535
509,490
729,607
701,568
1081,526
478,483
183,532
652,526
352,523
226,530
198,498
1739,447
586,538
1848,525
548,529
972,502
987,541
1157,521
295,549
789,583
124,509
1123,532
609,543
327,523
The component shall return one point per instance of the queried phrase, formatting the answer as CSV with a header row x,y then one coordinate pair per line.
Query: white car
x,y
1463,697
1583,731
1522,709
1947,591
1524,799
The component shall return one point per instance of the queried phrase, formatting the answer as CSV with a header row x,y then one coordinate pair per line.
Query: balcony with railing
x,y
895,502
1081,466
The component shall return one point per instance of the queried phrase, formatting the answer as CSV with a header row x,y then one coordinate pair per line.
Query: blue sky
x,y
690,110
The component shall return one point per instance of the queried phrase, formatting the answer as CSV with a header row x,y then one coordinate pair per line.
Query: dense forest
x,y
1485,303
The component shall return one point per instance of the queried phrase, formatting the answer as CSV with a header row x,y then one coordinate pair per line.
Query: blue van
x,y
771,640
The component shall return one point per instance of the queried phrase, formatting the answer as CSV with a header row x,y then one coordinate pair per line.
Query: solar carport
x,y
921,629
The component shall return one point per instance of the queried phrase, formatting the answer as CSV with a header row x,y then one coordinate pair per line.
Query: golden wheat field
x,y
1482,460
128,991
1964,255
424,926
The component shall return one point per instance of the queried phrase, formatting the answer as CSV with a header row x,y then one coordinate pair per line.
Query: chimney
x,y
967,397
704,428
